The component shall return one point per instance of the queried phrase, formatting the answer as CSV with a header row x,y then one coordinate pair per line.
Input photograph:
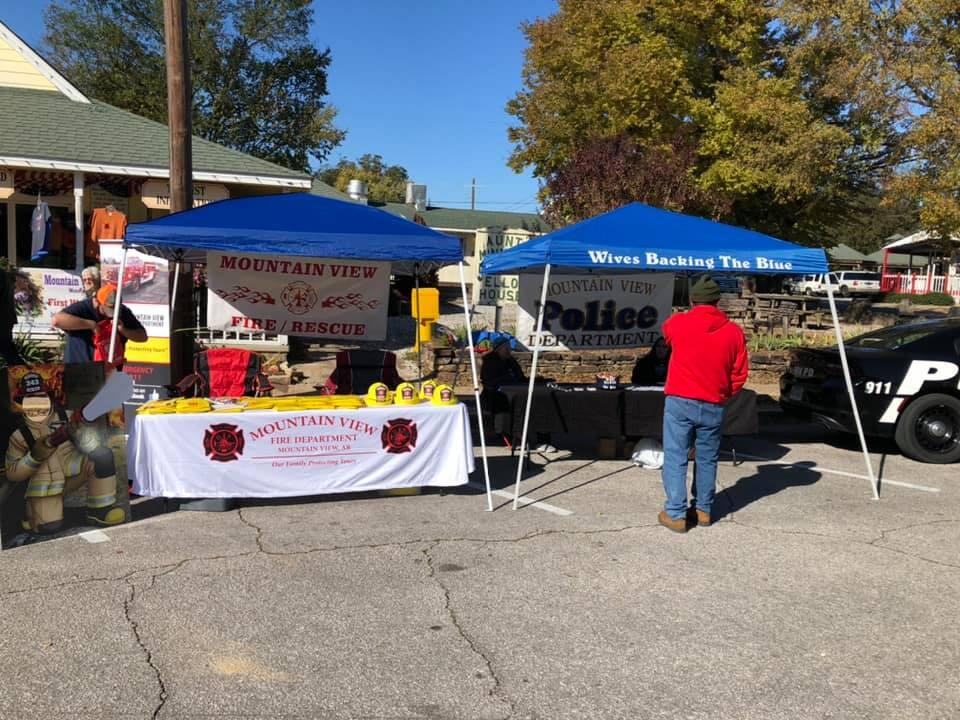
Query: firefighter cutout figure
x,y
55,456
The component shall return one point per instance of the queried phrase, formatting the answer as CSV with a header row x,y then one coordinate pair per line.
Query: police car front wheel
x,y
929,429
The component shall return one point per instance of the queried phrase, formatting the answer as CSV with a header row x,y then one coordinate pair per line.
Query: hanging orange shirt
x,y
105,224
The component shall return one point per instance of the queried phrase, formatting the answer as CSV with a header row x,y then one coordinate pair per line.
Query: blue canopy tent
x,y
639,238
303,225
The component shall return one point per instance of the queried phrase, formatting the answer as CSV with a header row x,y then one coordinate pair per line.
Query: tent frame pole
x,y
116,308
176,280
416,284
874,484
533,377
467,313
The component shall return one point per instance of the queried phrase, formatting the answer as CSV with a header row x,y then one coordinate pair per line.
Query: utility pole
x,y
178,104
473,194
179,110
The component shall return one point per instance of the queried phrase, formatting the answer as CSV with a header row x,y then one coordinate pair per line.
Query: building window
x,y
61,241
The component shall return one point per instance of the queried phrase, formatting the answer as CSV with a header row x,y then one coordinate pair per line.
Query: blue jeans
x,y
683,420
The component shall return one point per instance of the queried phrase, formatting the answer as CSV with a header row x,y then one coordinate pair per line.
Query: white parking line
x,y
524,500
841,473
95,536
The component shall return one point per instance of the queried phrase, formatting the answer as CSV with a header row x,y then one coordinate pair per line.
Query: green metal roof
x,y
845,253
896,259
44,125
318,187
457,219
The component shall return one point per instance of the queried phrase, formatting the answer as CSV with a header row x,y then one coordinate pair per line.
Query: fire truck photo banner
x,y
146,292
595,311
312,297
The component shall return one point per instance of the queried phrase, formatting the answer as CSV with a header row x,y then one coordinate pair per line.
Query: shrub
x,y
928,299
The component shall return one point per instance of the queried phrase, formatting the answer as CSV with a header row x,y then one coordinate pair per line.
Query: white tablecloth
x,y
287,454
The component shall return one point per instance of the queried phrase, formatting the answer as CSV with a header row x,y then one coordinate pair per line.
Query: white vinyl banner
x,y
313,297
289,454
595,311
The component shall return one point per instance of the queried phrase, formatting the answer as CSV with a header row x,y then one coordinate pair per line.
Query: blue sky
x,y
423,84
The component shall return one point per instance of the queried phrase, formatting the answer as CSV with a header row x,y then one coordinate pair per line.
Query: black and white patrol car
x,y
906,380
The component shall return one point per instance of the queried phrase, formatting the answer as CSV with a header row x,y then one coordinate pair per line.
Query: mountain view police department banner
x,y
602,311
312,297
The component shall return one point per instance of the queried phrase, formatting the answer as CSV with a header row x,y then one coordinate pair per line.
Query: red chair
x,y
225,372
357,370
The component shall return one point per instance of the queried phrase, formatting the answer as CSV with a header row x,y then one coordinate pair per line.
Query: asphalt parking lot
x,y
808,599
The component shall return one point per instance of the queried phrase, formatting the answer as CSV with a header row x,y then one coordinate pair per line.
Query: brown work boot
x,y
679,526
698,518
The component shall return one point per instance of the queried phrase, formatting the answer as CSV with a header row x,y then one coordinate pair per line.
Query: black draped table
x,y
630,411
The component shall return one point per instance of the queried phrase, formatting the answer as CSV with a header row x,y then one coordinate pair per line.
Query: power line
x,y
485,202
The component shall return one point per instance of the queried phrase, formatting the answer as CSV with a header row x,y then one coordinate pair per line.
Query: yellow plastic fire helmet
x,y
427,389
444,395
378,395
406,394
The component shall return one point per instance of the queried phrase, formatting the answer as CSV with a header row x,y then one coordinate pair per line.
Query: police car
x,y
906,380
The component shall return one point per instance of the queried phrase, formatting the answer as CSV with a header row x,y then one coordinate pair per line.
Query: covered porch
x,y
931,266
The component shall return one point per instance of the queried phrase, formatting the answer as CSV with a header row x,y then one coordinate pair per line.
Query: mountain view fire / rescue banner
x,y
595,311
313,297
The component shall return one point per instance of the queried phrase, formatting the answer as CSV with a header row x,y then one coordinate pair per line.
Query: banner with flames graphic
x,y
312,297
284,454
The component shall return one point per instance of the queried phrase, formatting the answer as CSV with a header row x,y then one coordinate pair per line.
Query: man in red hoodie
x,y
708,366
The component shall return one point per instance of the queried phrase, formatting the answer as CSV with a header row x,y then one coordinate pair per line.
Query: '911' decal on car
x,y
919,372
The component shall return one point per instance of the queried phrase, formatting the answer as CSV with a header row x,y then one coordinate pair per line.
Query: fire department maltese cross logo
x,y
399,435
299,297
223,442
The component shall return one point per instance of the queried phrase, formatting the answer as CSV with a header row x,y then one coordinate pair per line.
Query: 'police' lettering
x,y
596,316
921,371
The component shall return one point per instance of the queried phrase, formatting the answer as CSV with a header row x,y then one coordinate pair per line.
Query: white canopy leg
x,y
533,376
853,400
176,280
416,282
116,308
476,387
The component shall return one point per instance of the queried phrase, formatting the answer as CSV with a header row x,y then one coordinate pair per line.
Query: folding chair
x,y
224,372
357,370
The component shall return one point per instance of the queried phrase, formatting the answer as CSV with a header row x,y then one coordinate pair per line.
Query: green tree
x,y
259,84
793,120
385,183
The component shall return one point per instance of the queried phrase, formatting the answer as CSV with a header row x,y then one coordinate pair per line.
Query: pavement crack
x,y
252,525
875,543
135,628
420,541
496,691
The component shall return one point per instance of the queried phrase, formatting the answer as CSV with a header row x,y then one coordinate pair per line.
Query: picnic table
x,y
768,312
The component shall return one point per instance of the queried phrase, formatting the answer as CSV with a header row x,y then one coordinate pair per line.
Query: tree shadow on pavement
x,y
767,480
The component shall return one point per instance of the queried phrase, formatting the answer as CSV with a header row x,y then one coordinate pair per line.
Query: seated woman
x,y
651,369
500,368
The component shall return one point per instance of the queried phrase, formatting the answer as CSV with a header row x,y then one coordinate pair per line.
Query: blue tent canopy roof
x,y
297,224
638,237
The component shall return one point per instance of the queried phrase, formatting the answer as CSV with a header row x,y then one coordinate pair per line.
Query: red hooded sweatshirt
x,y
708,359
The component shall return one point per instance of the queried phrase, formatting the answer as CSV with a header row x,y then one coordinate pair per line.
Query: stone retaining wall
x,y
453,368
